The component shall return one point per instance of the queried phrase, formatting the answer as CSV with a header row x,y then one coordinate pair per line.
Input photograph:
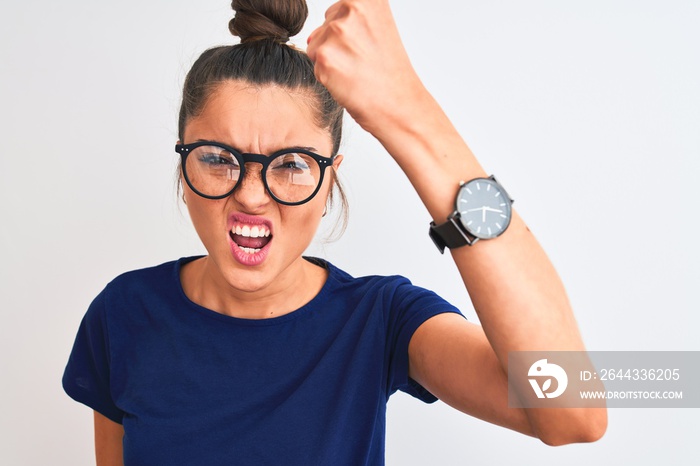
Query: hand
x,y
361,60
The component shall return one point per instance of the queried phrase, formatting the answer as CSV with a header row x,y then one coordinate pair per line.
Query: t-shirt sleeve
x,y
87,375
411,306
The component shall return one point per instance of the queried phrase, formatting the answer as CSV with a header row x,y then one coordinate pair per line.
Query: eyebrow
x,y
311,149
307,148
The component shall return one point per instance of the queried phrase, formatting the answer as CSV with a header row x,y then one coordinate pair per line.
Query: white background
x,y
588,112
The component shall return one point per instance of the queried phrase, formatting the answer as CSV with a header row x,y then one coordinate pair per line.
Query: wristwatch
x,y
482,211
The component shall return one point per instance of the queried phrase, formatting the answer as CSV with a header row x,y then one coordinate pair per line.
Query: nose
x,y
251,192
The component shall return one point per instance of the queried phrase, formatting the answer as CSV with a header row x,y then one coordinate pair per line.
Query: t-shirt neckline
x,y
293,315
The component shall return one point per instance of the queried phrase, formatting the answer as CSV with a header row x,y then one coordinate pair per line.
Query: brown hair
x,y
264,58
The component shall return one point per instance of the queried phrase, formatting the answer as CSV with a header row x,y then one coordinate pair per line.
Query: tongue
x,y
248,242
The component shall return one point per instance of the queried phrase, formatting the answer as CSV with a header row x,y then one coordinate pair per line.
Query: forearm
x,y
517,294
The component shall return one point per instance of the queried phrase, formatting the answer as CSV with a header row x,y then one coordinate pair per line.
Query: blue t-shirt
x,y
195,387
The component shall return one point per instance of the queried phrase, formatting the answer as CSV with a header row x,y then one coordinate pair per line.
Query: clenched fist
x,y
361,60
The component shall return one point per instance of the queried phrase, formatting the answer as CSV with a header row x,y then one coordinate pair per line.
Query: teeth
x,y
256,231
249,250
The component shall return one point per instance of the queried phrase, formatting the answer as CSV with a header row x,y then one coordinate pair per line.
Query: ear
x,y
338,160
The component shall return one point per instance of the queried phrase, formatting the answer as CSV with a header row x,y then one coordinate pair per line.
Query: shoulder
x,y
154,276
142,287
391,291
341,279
154,271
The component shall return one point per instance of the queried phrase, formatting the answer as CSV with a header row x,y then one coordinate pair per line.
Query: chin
x,y
246,278
248,286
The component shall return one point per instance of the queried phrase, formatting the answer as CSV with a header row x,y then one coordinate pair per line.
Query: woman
x,y
254,354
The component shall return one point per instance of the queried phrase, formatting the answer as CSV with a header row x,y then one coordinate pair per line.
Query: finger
x,y
330,15
322,38
313,42
333,10
312,36
319,36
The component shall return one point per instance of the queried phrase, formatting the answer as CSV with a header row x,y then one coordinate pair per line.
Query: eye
x,y
216,159
291,162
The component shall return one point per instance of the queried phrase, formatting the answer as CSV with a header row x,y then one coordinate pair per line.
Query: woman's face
x,y
259,120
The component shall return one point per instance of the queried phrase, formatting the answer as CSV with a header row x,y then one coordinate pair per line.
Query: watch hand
x,y
483,210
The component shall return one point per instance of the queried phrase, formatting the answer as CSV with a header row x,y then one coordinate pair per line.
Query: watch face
x,y
484,208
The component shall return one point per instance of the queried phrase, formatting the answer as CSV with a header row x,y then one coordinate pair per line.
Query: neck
x,y
204,284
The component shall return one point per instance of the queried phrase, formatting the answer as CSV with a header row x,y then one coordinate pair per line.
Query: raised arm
x,y
517,294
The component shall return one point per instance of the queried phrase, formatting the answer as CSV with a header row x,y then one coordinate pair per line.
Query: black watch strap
x,y
450,234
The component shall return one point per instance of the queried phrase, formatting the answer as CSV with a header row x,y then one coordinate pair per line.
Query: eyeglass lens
x,y
290,177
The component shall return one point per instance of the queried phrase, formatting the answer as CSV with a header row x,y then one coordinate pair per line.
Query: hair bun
x,y
267,19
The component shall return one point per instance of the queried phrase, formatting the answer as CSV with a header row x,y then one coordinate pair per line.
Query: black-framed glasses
x,y
291,176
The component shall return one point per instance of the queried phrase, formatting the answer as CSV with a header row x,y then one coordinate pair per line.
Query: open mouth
x,y
250,239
